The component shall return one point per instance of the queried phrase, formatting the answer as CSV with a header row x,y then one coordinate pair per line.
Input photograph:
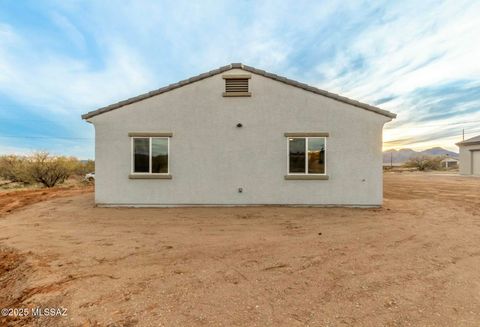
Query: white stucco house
x,y
449,162
238,135
470,156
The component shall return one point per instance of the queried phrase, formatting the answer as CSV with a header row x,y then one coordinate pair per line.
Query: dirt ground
x,y
414,262
11,200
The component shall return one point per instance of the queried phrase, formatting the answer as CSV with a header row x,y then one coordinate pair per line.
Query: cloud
x,y
417,59
59,88
59,81
73,34
414,59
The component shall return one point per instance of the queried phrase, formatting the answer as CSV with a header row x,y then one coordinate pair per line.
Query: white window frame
x,y
306,155
132,146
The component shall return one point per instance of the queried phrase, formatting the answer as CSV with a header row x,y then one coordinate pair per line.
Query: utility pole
x,y
463,134
391,160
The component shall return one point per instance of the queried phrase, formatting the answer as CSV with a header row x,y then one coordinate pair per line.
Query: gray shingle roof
x,y
248,69
472,141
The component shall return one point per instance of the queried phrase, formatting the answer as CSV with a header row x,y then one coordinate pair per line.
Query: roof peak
x,y
238,65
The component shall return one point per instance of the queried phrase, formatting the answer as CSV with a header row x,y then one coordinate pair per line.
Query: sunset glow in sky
x,y
59,59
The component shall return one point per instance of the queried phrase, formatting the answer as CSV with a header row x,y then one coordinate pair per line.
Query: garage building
x,y
470,156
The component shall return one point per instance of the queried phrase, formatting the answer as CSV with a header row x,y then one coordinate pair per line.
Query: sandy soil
x,y
414,262
11,200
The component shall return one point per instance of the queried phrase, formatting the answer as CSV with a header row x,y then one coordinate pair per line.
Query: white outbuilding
x,y
449,162
238,135
470,156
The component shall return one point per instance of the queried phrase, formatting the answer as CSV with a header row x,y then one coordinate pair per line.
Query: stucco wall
x,y
210,158
466,161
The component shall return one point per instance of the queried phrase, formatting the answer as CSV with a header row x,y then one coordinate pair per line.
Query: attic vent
x,y
236,86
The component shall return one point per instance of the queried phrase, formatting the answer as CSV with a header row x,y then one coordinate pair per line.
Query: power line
x,y
21,120
16,106
47,137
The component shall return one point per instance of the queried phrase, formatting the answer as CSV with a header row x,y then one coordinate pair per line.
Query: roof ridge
x,y
251,69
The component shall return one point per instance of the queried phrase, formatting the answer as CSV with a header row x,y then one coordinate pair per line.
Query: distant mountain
x,y
439,152
403,155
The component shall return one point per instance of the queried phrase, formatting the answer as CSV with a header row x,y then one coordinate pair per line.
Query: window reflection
x,y
297,155
306,155
159,155
316,155
141,152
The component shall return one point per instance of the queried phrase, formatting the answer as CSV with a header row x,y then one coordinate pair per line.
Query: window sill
x,y
149,176
237,94
306,177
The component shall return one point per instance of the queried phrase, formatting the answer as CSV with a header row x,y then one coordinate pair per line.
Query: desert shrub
x,y
84,167
423,163
43,168
14,169
50,170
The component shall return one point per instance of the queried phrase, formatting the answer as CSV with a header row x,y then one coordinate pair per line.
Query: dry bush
x,y
423,163
14,169
50,170
84,167
42,168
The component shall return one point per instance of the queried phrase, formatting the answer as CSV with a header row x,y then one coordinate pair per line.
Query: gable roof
x,y
248,69
450,159
472,141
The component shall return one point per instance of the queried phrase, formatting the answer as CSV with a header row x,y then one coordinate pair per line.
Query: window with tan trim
x,y
306,155
150,155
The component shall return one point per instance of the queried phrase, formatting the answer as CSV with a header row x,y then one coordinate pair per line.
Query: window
x,y
141,156
150,155
306,155
236,85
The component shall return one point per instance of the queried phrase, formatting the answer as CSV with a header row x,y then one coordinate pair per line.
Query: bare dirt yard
x,y
414,262
14,199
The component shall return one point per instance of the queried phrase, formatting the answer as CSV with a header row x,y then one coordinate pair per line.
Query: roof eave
x,y
468,143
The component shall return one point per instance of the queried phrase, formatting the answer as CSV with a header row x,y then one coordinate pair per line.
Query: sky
x,y
60,59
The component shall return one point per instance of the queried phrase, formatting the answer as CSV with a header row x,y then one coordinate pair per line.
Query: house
x,y
449,163
470,156
238,135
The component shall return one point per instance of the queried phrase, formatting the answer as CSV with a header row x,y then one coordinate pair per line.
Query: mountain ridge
x,y
403,155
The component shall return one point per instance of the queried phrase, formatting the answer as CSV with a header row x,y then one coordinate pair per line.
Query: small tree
x,y
423,163
49,170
